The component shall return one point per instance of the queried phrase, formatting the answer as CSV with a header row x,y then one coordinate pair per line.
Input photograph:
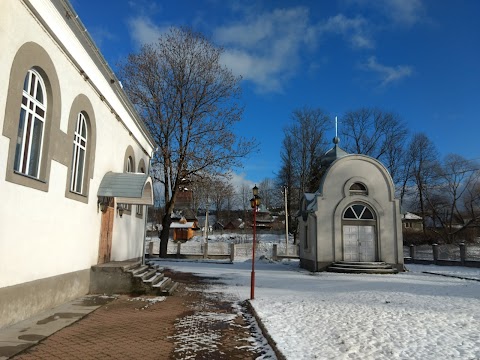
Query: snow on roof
x,y
176,225
410,216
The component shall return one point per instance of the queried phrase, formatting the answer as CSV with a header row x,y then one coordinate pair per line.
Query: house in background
x,y
182,229
74,159
353,216
412,222
263,218
235,225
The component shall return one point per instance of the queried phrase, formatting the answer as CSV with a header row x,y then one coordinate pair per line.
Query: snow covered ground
x,y
411,315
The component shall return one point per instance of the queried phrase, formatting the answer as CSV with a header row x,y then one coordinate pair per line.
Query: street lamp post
x,y
254,203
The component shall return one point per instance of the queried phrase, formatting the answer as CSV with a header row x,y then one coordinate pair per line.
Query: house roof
x,y
410,216
177,225
128,188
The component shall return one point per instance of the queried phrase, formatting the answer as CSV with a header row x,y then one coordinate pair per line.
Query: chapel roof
x,y
333,154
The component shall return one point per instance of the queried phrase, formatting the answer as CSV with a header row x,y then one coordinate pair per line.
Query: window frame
x,y
80,144
31,107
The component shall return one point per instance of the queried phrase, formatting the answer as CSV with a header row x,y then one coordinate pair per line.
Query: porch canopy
x,y
127,188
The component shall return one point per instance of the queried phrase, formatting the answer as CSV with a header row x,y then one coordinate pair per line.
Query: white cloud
x,y
355,30
238,180
399,12
265,48
388,74
144,31
403,12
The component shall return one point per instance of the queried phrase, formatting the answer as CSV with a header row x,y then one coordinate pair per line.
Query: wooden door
x,y
105,246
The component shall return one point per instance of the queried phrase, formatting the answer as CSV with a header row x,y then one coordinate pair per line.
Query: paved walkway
x,y
191,324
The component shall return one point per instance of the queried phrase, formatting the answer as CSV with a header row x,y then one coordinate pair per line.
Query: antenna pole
x,y
336,127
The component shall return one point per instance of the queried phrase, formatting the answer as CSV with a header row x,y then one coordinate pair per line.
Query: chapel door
x,y
359,239
350,241
105,246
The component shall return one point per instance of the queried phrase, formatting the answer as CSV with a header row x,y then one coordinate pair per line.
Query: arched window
x,y
31,125
141,169
129,165
358,212
358,189
128,168
79,154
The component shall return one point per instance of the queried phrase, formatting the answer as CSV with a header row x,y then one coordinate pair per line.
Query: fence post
x,y
274,252
232,252
435,253
150,249
178,249
205,251
463,253
412,251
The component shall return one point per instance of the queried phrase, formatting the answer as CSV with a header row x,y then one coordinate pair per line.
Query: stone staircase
x,y
357,267
149,280
129,277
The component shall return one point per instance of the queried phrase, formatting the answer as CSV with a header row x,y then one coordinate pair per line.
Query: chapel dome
x,y
333,154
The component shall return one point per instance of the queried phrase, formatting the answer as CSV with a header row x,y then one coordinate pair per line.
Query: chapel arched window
x,y
358,189
358,212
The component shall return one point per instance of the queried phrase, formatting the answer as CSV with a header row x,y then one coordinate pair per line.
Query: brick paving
x,y
191,324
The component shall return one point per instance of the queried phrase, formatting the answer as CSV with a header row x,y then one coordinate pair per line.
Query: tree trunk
x,y
165,234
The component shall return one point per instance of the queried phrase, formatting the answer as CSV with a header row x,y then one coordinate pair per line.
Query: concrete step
x,y
364,266
138,270
361,262
131,266
339,269
367,267
166,288
147,274
162,284
154,279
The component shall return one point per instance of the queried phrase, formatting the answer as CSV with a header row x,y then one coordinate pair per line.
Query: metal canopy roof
x,y
127,188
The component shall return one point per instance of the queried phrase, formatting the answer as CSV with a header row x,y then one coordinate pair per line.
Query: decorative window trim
x,y
81,104
128,166
31,56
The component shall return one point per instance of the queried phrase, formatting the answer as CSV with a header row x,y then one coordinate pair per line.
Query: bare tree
x,y
270,193
376,133
189,102
304,144
452,203
422,156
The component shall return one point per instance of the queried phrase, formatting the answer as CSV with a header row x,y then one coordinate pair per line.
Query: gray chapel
x,y
353,218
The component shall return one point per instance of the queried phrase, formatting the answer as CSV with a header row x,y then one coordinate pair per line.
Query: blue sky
x,y
419,59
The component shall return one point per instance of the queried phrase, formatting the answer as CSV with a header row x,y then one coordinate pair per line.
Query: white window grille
x,y
79,154
31,125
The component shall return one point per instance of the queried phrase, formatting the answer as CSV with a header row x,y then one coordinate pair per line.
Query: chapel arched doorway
x,y
359,225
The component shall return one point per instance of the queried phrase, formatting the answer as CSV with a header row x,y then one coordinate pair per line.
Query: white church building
x,y
74,155
353,217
